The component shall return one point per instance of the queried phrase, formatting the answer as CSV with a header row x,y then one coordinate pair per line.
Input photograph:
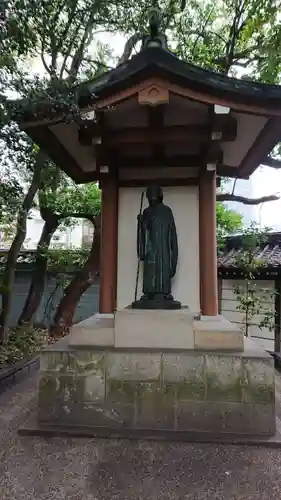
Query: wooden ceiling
x,y
159,145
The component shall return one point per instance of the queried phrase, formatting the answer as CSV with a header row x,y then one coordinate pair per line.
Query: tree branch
x,y
245,200
271,162
203,29
46,67
68,52
98,63
65,33
79,215
202,34
136,37
233,37
78,55
171,11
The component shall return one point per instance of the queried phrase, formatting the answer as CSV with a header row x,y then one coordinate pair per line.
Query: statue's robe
x,y
158,249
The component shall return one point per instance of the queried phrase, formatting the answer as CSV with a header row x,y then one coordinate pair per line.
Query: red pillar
x,y
208,244
109,235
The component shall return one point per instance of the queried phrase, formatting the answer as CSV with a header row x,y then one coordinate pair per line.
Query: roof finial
x,y
154,21
155,37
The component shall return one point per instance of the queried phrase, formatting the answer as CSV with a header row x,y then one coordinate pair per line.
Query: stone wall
x,y
87,306
157,390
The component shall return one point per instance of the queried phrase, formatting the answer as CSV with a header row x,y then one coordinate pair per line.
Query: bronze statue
x,y
157,247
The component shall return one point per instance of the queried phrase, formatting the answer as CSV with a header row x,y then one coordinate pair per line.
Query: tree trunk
x,y
63,318
51,223
9,273
37,284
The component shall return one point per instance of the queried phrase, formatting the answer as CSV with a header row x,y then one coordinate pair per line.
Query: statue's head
x,y
154,194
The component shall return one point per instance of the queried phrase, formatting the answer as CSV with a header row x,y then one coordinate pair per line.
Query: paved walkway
x,y
88,469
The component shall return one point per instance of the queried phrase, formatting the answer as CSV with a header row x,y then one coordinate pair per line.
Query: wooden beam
x,y
156,127
109,237
45,137
207,244
214,155
152,134
149,161
229,171
226,130
207,223
163,181
156,117
208,95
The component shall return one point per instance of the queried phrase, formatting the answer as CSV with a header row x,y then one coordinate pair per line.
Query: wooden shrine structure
x,y
156,118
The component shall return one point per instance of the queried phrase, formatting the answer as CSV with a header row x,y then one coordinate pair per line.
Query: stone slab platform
x,y
214,333
98,330
150,390
145,329
32,428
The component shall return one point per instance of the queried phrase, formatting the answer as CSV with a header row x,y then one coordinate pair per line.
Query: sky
x,y
267,181
264,181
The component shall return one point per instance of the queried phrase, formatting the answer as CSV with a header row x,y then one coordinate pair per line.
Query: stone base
x,y
179,329
98,330
32,428
151,391
154,329
217,333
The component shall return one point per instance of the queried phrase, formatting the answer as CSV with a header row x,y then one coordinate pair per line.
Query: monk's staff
x,y
138,268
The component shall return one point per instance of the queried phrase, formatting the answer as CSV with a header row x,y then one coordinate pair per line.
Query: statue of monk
x,y
157,247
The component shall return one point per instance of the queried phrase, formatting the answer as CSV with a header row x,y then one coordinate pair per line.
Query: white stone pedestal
x,y
217,333
145,329
179,329
98,330
162,329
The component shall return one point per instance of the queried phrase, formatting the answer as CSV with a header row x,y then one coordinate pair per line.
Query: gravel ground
x,y
88,469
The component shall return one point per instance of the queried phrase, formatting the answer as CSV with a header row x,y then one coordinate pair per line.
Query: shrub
x,y
22,343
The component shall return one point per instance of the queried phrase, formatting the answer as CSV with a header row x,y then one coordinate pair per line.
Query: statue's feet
x,y
167,302
156,296
168,297
145,297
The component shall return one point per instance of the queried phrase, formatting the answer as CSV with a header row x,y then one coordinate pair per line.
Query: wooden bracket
x,y
153,95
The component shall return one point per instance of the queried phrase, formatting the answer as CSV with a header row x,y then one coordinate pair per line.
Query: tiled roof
x,y
269,253
270,256
26,258
152,58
